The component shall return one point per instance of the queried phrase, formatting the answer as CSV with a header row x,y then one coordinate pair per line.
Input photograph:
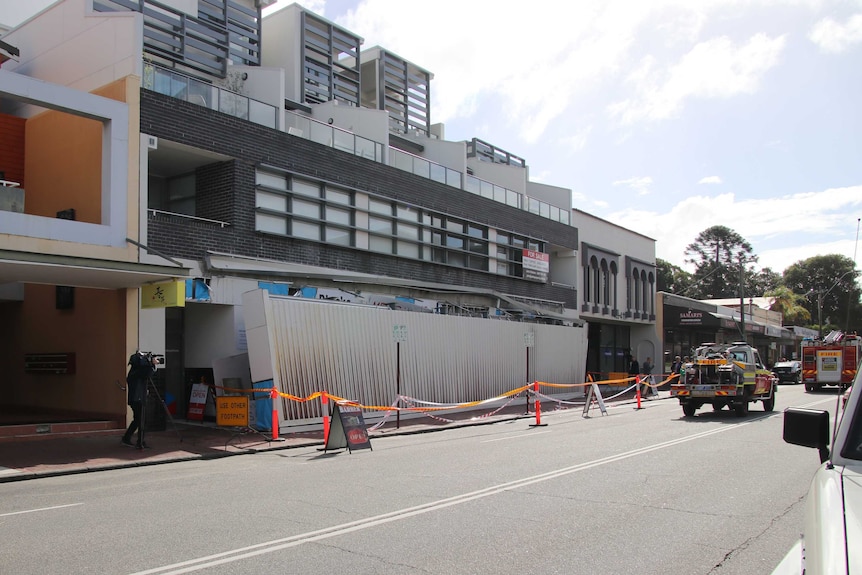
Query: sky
x,y
663,116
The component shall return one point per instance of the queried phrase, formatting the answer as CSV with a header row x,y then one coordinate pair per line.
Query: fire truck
x,y
725,375
830,361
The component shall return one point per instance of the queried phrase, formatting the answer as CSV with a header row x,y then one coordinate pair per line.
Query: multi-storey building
x,y
196,142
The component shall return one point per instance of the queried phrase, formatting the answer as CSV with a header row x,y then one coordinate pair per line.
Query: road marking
x,y
40,509
515,437
369,522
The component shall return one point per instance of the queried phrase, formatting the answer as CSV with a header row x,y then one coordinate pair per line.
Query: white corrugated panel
x,y
350,351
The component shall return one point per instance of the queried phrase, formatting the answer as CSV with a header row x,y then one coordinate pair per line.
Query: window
x,y
311,210
305,188
338,236
306,230
339,197
379,225
270,201
271,224
276,181
378,207
307,209
338,216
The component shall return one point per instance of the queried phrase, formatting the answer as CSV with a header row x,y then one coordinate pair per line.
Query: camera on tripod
x,y
160,359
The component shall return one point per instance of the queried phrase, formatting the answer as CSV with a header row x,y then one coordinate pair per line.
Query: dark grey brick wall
x,y
226,193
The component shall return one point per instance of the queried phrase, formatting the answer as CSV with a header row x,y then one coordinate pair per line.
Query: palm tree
x,y
788,303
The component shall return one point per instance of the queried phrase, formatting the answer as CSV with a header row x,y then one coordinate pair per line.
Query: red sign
x,y
197,402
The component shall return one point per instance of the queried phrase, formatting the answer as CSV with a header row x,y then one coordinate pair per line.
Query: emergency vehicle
x,y
831,361
725,375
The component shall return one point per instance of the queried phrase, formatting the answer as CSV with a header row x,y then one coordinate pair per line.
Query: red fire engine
x,y
832,361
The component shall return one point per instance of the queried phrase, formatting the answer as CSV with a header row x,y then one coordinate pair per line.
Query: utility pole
x,y
742,298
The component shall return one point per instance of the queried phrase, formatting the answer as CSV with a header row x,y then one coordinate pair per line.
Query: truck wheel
x,y
688,409
769,404
809,387
741,409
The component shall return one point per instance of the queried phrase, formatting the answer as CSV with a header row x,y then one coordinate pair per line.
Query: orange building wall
x,y
94,330
63,162
12,148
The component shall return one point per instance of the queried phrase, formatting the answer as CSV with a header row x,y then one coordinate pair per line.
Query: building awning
x,y
239,265
35,268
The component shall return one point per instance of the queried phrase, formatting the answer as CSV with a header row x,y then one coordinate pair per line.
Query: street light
x,y
821,295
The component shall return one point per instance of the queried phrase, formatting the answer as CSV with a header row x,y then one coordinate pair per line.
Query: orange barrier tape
x,y
510,393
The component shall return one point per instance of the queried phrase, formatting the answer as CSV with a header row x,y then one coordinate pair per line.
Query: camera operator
x,y
142,366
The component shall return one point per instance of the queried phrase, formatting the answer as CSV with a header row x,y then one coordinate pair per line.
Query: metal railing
x,y
182,87
310,129
176,85
439,173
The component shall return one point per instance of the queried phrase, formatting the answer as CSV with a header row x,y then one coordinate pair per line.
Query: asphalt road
x,y
636,491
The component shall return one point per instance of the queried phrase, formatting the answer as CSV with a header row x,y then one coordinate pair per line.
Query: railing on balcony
x,y
309,129
180,86
176,85
428,169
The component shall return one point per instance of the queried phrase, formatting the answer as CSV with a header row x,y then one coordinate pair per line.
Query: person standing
x,y
141,367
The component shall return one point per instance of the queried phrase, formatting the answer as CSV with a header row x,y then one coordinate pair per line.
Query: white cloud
x,y
578,140
776,228
716,68
640,184
833,37
710,180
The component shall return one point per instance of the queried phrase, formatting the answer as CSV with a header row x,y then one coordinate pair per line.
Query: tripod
x,y
150,385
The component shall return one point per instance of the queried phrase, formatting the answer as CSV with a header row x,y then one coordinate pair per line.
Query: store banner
x,y
163,294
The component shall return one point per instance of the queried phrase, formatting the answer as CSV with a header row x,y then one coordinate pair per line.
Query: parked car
x,y
788,371
832,525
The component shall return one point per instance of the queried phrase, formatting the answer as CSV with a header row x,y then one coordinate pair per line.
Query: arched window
x,y
606,285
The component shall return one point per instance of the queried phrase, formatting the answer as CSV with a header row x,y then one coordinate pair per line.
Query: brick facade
x,y
226,193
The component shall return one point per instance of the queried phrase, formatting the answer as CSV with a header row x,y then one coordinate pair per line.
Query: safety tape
x,y
417,405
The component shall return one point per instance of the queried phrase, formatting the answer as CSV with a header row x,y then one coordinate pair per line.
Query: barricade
x,y
403,403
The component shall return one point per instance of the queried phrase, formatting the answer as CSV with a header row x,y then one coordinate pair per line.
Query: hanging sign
x,y
163,294
348,429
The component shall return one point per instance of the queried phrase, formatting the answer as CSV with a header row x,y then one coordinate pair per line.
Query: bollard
x,y
274,395
538,406
325,400
638,390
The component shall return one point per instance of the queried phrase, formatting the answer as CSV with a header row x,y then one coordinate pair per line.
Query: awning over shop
x,y
25,267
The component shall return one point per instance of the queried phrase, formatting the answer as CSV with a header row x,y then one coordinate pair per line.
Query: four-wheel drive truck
x,y
832,518
724,375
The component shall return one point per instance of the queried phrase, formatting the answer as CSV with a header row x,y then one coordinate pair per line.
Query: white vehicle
x,y
832,529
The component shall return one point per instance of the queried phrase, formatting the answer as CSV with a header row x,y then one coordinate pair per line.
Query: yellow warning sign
x,y
232,411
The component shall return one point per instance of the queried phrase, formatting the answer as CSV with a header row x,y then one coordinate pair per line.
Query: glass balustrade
x,y
180,86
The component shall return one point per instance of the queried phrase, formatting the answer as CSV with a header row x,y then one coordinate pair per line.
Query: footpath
x,y
183,441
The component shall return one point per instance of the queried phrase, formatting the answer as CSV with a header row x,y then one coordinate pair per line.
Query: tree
x,y
670,278
717,254
790,305
766,280
829,284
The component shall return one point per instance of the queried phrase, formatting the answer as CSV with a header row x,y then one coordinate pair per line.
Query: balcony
x,y
439,173
182,87
176,85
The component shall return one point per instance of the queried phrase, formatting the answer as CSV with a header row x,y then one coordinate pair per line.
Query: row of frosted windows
x,y
310,210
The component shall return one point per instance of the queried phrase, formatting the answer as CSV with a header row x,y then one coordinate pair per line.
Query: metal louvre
x,y
349,351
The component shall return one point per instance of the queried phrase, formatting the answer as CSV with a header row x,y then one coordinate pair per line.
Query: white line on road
x,y
40,509
515,437
358,525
